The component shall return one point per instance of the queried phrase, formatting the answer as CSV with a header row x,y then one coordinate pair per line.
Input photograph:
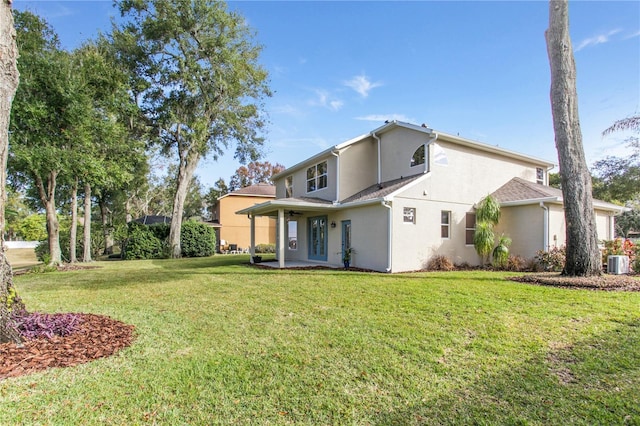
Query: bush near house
x,y
151,242
197,239
552,260
266,248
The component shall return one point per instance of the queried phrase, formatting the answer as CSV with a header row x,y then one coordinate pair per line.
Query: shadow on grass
x,y
594,381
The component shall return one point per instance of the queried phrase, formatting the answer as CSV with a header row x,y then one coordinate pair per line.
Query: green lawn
x,y
219,342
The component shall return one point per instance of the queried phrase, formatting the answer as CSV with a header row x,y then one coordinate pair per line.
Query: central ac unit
x,y
618,265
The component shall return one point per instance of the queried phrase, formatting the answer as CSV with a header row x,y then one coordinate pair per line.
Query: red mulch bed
x,y
603,282
98,336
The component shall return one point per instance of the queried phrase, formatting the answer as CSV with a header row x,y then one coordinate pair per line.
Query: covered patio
x,y
285,210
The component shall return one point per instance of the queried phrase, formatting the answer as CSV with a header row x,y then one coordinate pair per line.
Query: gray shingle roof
x,y
381,190
518,189
263,189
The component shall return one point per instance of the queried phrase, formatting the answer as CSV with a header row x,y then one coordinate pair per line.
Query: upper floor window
x,y
288,187
418,156
540,175
317,177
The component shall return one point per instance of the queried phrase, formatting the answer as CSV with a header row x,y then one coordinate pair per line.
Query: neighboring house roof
x,y
424,129
521,192
258,190
152,220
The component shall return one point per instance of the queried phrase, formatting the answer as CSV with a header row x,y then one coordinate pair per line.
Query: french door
x,y
318,238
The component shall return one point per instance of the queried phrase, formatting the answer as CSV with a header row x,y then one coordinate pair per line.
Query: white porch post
x,y
281,238
252,248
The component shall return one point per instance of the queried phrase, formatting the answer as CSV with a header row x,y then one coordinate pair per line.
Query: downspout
x,y
379,159
427,164
337,155
545,227
387,204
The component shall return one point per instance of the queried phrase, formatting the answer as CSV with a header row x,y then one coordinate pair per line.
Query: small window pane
x,y
409,214
322,182
311,185
311,172
322,168
445,217
418,157
288,185
445,223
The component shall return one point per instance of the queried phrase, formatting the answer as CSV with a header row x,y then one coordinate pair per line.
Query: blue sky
x,y
477,69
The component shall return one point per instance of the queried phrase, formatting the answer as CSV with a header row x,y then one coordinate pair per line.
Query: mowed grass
x,y
219,342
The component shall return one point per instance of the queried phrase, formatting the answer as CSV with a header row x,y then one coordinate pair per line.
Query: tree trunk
x,y
48,198
73,231
583,256
86,236
9,78
188,165
106,227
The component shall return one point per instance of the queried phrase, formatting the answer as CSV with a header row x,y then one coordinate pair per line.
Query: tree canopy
x,y
199,80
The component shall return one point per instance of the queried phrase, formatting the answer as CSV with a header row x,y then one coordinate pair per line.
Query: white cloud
x,y
633,35
385,117
325,100
598,39
362,85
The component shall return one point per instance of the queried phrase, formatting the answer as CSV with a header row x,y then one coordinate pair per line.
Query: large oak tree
x,y
9,78
200,83
582,255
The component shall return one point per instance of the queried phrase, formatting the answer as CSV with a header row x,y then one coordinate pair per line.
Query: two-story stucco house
x,y
402,194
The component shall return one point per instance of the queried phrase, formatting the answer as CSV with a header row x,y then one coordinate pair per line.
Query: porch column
x,y
252,247
281,249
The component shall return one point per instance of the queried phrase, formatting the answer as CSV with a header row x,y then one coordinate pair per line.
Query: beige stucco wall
x,y
398,146
300,181
415,244
524,225
358,167
236,229
472,174
368,237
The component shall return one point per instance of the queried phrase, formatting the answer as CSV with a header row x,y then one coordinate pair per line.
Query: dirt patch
x,y
603,282
98,336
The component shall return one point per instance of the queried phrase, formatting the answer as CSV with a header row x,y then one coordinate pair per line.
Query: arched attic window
x,y
418,156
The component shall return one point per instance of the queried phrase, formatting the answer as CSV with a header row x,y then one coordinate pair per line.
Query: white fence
x,y
21,244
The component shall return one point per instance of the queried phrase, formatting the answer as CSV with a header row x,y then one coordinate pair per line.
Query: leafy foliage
x,y
483,238
33,227
36,325
552,260
501,252
254,173
197,239
142,243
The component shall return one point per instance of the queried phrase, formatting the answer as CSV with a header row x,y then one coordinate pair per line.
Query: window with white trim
x,y
409,215
317,177
445,224
288,186
540,175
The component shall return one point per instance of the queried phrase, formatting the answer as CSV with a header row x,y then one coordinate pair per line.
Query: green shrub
x,y
266,248
142,243
197,239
